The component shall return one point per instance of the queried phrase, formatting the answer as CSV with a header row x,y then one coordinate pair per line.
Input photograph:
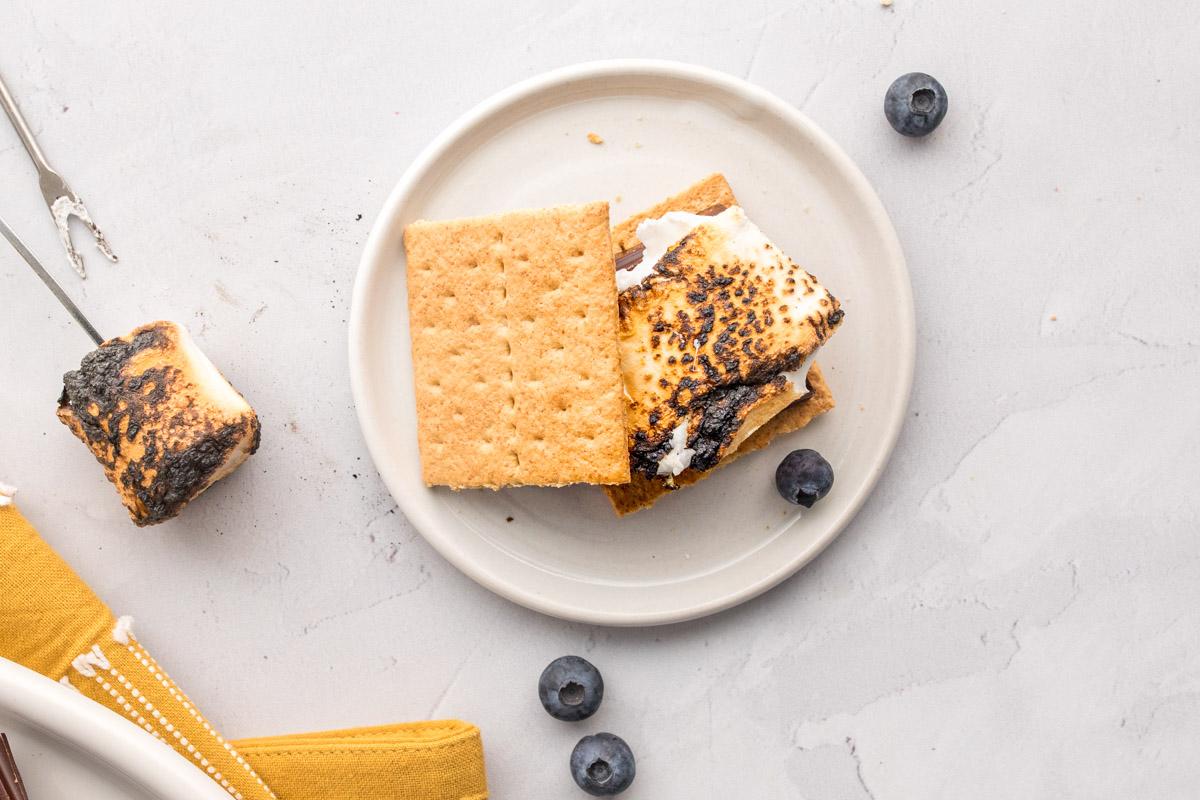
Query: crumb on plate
x,y
595,138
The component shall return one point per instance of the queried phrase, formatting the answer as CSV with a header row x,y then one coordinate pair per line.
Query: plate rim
x,y
101,734
372,257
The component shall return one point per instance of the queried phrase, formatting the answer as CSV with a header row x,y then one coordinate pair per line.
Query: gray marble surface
x,y
1015,612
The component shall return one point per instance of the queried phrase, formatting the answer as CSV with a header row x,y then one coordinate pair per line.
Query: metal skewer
x,y
51,284
60,198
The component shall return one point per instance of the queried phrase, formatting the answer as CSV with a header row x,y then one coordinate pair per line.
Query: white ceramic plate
x,y
69,746
664,126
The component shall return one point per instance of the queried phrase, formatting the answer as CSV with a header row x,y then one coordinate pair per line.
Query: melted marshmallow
x,y
743,238
680,456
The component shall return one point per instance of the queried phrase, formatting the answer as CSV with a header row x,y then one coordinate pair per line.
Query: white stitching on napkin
x,y
152,667
84,663
122,629
6,494
126,696
153,719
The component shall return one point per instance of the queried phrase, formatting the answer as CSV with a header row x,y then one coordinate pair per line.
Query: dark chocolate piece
x,y
10,777
628,259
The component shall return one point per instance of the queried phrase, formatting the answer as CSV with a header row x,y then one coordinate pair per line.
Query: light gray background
x,y
1015,612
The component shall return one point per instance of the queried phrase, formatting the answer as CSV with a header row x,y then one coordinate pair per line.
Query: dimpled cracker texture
x,y
642,492
514,336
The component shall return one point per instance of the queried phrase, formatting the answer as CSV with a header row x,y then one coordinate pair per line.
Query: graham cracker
x,y
514,338
711,191
642,492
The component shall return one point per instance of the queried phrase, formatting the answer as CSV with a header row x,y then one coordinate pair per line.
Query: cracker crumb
x,y
595,138
1054,317
885,3
617,199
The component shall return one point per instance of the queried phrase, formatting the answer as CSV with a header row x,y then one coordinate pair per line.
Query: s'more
x,y
718,334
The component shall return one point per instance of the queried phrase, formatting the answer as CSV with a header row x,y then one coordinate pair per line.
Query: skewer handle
x,y
18,121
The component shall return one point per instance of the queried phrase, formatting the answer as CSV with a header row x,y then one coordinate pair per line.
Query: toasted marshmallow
x,y
718,328
159,417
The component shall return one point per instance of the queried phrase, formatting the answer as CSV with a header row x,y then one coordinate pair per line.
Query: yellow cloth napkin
x,y
52,623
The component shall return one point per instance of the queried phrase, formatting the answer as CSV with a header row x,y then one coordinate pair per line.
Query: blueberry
x,y
570,688
603,764
915,104
803,477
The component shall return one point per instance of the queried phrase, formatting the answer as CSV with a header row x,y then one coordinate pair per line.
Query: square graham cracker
x,y
642,492
514,339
